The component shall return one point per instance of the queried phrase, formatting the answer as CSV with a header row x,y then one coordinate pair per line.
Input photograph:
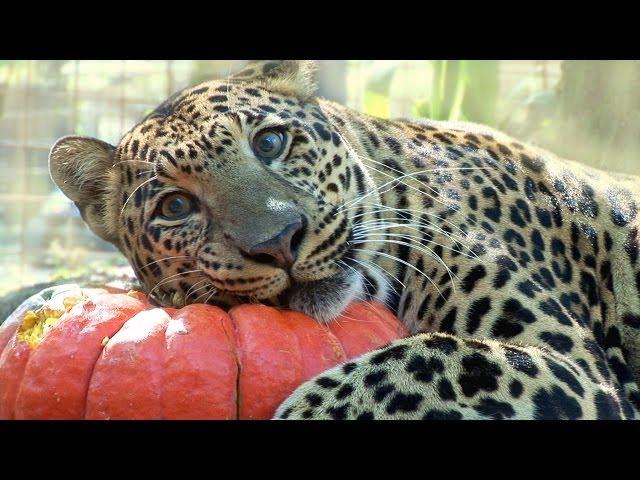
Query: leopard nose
x,y
281,250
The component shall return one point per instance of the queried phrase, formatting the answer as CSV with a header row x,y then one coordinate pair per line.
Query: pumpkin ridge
x,y
236,355
62,373
382,321
20,348
90,378
112,387
10,332
96,297
95,362
262,330
298,344
165,359
22,376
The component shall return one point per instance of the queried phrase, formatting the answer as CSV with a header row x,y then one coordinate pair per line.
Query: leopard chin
x,y
324,300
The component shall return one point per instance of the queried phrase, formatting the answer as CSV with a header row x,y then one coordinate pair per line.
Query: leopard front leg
x,y
440,376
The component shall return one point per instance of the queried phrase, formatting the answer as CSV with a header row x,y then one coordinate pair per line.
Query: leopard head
x,y
230,191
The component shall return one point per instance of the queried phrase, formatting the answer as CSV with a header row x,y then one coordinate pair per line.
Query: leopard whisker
x,y
435,169
164,281
412,176
133,161
213,292
407,237
389,185
155,177
411,210
399,180
361,233
395,170
207,291
167,259
392,257
401,222
382,271
358,297
350,148
364,279
191,289
425,250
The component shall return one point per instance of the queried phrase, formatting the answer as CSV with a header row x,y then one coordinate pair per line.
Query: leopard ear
x,y
80,167
289,77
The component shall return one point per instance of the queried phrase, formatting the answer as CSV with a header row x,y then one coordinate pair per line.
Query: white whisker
x,y
411,210
383,273
164,281
133,161
207,291
191,289
135,190
166,259
410,238
426,250
401,261
213,292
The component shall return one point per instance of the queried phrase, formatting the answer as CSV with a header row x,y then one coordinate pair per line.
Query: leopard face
x,y
230,191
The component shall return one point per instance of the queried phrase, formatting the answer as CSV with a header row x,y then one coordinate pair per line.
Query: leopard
x,y
515,271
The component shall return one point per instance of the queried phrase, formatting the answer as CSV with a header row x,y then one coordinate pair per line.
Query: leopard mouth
x,y
321,298
324,299
252,294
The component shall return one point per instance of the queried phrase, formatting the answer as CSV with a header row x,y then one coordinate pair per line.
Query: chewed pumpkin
x,y
98,354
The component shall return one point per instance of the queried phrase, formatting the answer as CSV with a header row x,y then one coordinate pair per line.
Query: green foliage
x,y
481,99
378,83
459,89
462,90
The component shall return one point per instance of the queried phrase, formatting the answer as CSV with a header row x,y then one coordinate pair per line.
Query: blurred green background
x,y
587,111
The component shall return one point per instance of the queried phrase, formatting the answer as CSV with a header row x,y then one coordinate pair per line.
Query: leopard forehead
x,y
198,112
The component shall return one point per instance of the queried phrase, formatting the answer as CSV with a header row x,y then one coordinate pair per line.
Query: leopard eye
x,y
268,144
176,206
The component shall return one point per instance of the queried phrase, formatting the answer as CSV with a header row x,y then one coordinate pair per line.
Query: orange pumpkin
x,y
106,354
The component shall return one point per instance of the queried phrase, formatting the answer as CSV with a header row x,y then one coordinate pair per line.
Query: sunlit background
x,y
588,111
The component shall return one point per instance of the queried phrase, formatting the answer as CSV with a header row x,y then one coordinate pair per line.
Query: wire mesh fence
x,y
41,232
